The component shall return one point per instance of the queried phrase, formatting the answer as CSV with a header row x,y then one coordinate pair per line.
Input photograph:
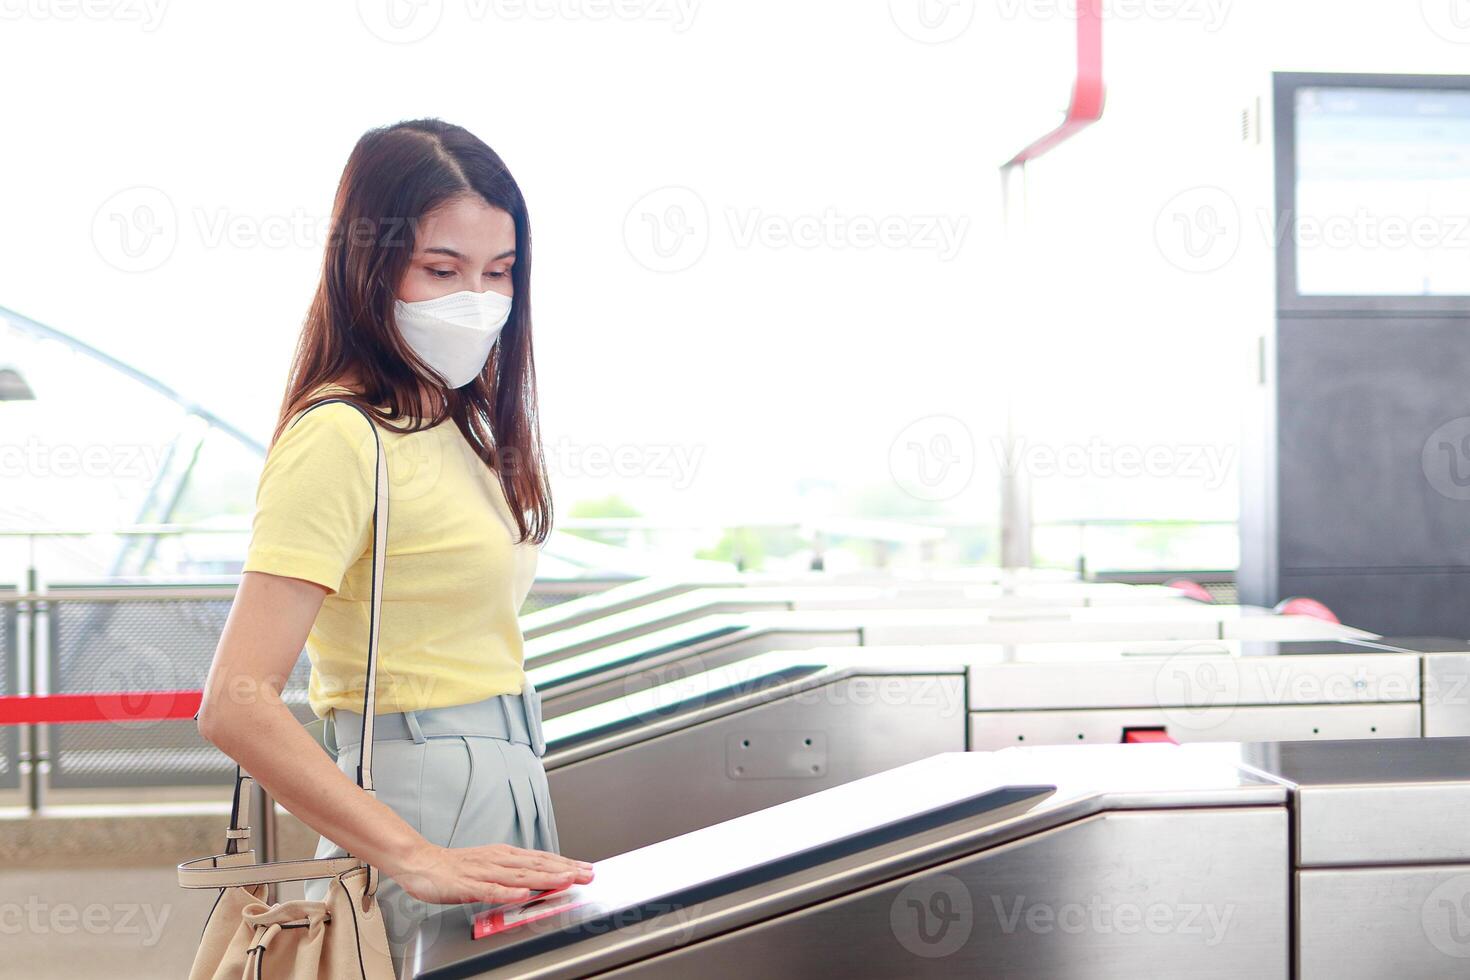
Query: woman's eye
x,y
441,273
497,275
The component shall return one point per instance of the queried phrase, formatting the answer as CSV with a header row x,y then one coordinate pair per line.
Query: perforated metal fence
x,y
139,642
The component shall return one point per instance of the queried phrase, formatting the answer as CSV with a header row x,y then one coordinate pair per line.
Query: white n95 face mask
x,y
453,334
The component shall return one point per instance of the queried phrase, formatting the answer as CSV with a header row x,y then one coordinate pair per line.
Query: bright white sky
x,y
768,363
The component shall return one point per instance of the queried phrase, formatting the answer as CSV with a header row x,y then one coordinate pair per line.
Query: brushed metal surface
x,y
758,753
1192,675
1184,892
1405,923
1088,781
658,612
685,660
657,788
990,730
654,616
617,598
693,700
1446,694
1396,822
1179,894
613,670
986,586
1390,801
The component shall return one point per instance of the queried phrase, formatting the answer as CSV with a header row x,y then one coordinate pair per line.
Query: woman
x,y
422,316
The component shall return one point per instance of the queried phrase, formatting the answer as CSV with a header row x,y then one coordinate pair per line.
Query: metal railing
x,y
116,641
10,658
130,645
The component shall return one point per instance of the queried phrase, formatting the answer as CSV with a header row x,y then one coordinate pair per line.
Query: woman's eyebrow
x,y
443,250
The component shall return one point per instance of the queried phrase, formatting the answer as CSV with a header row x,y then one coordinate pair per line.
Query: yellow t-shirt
x,y
455,578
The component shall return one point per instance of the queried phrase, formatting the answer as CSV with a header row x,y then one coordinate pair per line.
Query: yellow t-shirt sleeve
x,y
314,503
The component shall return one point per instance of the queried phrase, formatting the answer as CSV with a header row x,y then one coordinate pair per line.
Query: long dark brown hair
x,y
396,176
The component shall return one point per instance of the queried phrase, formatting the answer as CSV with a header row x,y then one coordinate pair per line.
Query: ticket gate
x,y
1098,862
786,724
621,668
1381,864
551,647
1220,691
1318,860
608,602
630,595
739,738
699,603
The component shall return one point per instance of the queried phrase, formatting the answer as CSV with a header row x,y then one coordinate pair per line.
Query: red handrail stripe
x,y
117,706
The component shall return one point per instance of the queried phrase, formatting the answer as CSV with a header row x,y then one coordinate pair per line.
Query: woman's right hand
x,y
494,873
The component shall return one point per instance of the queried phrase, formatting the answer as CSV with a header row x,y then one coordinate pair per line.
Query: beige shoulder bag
x,y
341,937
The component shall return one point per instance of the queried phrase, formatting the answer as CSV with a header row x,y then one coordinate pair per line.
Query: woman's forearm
x,y
274,748
243,714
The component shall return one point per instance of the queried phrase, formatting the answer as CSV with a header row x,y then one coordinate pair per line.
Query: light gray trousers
x,y
462,776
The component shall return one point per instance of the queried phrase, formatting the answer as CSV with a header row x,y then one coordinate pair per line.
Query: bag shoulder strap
x,y
193,874
380,558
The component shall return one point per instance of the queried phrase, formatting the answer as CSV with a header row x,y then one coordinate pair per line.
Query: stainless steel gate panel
x,y
1383,888
698,603
985,589
616,669
677,651
1395,801
1099,594
828,732
1075,595
990,730
846,843
646,605
1194,674
616,599
650,618
1396,823
1156,893
636,665
642,592
1043,625
631,654
1193,621
1408,923
1446,694
1235,622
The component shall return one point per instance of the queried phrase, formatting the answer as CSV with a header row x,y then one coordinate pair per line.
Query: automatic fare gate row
x,y
605,672
547,646
1315,859
782,725
1046,583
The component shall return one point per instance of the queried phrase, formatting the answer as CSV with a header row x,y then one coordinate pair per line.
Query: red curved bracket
x,y
1086,106
1305,606
1191,589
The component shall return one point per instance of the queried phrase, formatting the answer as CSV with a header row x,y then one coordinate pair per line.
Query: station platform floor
x,y
97,896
